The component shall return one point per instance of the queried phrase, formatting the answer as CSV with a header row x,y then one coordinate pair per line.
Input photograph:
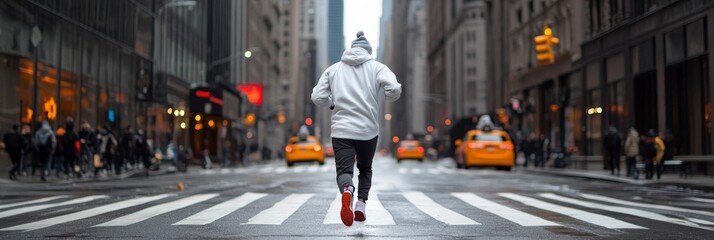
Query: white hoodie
x,y
356,86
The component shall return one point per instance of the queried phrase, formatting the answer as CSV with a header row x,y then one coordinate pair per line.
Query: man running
x,y
354,89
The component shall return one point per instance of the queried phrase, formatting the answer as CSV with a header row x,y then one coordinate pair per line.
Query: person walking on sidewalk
x,y
613,143
632,149
653,153
354,89
72,149
107,148
14,144
60,152
45,144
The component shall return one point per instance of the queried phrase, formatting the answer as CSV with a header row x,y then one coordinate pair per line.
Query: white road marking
x,y
445,170
597,219
326,168
624,210
436,211
299,169
225,171
86,213
416,171
281,170
376,213
240,170
41,200
644,205
699,221
277,214
513,215
18,211
333,213
433,171
402,170
266,170
706,200
221,210
313,168
156,210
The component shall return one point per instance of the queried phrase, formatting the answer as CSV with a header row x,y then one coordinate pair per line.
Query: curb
x,y
600,177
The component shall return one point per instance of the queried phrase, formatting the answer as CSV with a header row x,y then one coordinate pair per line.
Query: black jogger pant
x,y
346,152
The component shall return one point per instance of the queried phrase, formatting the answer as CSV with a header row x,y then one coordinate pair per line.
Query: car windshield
x,y
489,138
305,142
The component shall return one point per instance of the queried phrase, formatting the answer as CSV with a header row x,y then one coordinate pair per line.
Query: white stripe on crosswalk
x,y
445,170
699,221
513,215
376,213
281,170
277,214
313,168
332,216
433,171
34,208
706,200
156,210
221,210
266,169
416,171
644,205
225,171
436,211
325,168
402,170
623,210
41,200
240,170
593,218
86,213
299,169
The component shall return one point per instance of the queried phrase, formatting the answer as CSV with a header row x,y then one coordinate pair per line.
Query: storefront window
x,y
574,115
594,122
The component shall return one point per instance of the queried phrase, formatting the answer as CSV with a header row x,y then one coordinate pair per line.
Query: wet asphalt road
x,y
410,200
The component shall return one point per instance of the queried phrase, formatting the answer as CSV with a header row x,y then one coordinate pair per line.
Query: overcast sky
x,y
363,15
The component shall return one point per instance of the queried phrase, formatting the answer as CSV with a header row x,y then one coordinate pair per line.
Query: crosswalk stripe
x,y
593,218
332,216
277,214
156,210
221,210
225,171
416,171
402,170
281,170
86,213
644,205
240,170
34,208
41,200
445,170
376,213
513,215
699,221
313,168
623,210
325,168
299,169
266,169
436,211
433,171
702,199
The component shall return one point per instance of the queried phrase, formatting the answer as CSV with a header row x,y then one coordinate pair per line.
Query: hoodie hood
x,y
355,56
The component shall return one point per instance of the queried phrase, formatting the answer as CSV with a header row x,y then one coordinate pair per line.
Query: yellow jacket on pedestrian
x,y
659,144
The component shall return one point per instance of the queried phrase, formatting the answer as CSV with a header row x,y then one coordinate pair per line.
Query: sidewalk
x,y
699,182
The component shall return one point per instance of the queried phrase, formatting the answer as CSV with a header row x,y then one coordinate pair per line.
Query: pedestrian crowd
x,y
69,153
652,149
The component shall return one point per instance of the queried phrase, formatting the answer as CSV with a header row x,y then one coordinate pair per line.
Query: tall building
x,y
415,90
336,37
546,97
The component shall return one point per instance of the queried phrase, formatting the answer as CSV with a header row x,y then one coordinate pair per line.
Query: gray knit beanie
x,y
362,42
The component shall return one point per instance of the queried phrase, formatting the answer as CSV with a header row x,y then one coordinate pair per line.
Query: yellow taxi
x,y
305,150
410,149
487,148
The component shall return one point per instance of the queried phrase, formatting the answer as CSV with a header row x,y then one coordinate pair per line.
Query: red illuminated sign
x,y
254,92
203,94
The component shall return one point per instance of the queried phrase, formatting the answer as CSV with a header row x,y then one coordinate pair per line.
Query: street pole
x,y
59,81
36,37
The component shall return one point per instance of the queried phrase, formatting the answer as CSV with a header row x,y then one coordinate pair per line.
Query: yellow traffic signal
x,y
249,119
544,46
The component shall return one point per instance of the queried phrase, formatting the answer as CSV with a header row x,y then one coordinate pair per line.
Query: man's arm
x,y
321,93
388,81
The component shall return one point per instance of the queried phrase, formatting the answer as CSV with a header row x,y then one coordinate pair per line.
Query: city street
x,y
430,200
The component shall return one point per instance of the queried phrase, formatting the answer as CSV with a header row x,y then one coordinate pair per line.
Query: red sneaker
x,y
346,213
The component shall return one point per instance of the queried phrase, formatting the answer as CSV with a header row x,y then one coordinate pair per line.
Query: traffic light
x,y
544,46
308,121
